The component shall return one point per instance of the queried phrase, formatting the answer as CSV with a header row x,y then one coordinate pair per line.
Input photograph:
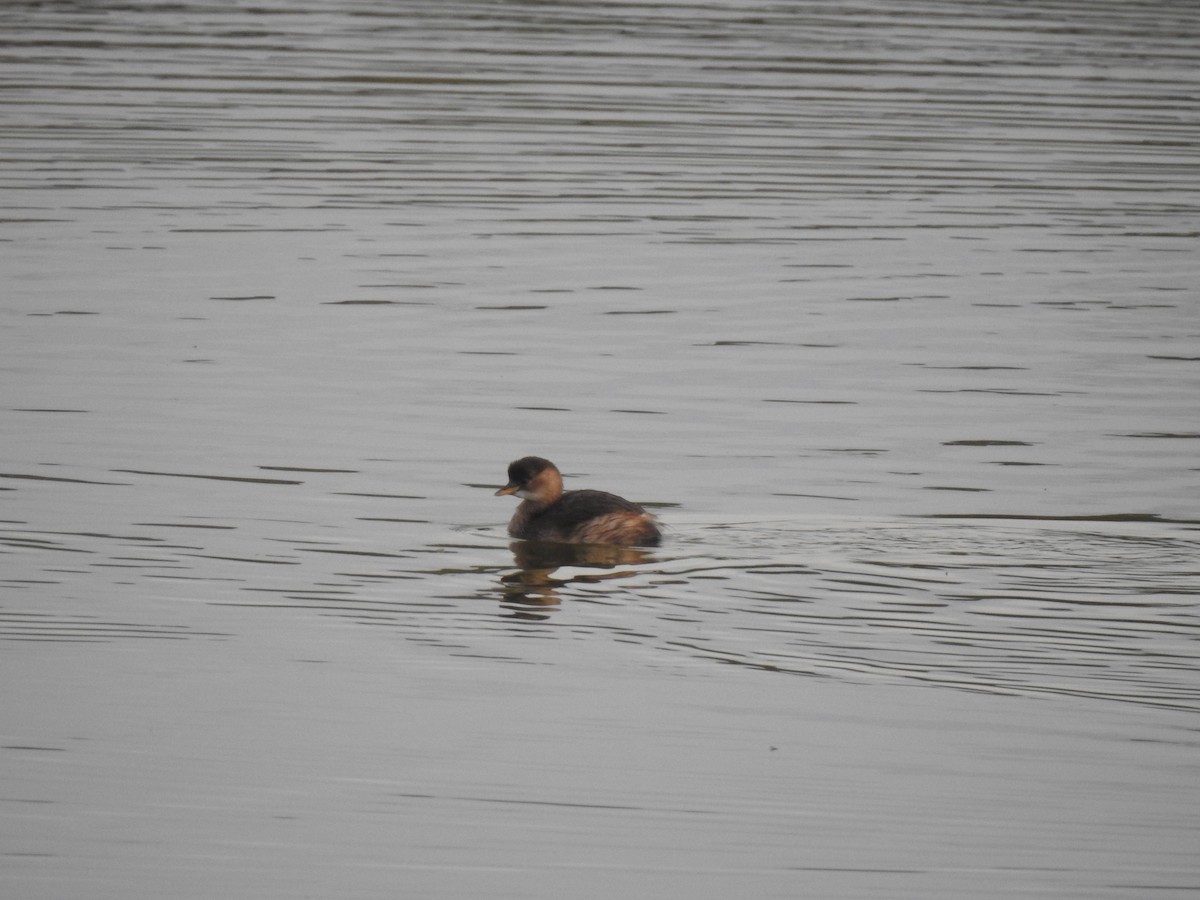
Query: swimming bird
x,y
548,513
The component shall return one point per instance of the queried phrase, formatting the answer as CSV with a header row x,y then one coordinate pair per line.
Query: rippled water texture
x,y
888,310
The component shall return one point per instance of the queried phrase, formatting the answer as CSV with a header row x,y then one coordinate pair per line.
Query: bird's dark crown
x,y
524,470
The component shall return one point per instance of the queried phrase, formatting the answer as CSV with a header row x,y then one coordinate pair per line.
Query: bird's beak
x,y
509,488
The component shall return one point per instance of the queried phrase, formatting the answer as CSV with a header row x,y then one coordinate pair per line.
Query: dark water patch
x,y
411,287
974,368
1169,435
1006,392
730,343
27,477
200,525
377,303
410,521
35,543
245,297
749,343
245,479
813,402
245,559
381,496
514,307
986,443
248,230
344,552
530,802
36,409
811,496
309,469
93,534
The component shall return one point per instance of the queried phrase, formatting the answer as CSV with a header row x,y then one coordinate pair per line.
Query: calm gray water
x,y
889,310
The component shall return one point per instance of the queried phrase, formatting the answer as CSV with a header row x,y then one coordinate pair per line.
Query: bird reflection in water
x,y
535,586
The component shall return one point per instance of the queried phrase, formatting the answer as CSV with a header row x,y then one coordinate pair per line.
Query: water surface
x,y
889,311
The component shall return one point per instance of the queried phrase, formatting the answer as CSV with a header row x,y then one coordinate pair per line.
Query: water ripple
x,y
1102,609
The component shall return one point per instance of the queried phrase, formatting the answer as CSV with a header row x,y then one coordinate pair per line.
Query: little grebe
x,y
547,513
